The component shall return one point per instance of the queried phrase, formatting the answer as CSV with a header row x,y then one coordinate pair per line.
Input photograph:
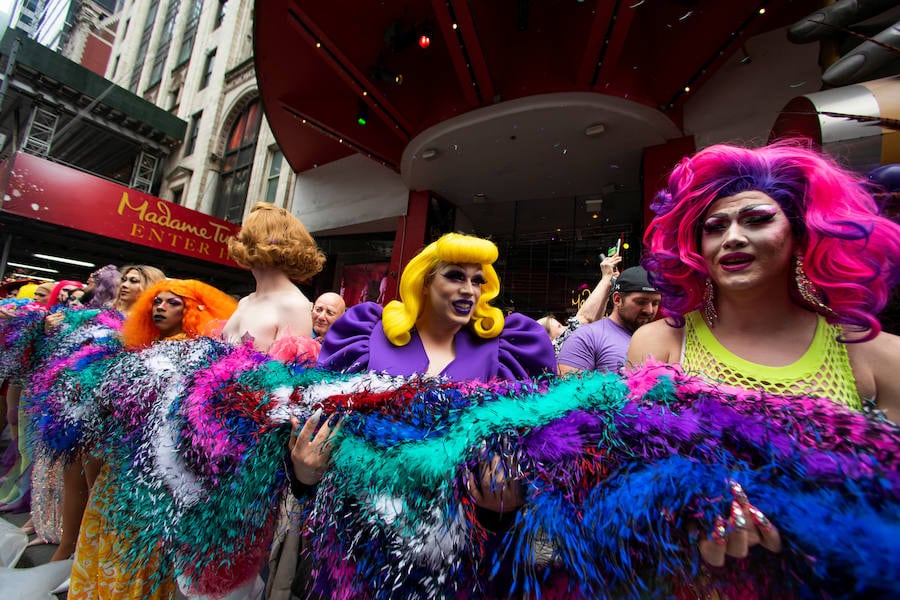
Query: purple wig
x,y
849,251
106,286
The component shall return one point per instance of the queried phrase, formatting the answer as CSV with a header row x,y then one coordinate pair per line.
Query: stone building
x,y
194,58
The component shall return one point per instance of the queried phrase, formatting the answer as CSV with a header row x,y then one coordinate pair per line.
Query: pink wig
x,y
53,300
849,251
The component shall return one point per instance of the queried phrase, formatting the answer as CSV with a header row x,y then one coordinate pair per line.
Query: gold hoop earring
x,y
710,314
808,290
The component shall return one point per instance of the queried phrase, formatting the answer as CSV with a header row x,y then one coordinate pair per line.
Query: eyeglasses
x,y
173,302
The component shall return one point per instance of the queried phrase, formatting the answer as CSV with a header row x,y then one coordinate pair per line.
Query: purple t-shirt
x,y
598,346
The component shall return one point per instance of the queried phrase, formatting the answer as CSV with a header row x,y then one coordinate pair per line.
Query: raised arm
x,y
595,305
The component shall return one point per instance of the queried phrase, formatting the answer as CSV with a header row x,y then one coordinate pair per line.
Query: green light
x,y
362,115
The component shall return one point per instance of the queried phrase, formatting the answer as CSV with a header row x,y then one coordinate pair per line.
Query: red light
x,y
424,41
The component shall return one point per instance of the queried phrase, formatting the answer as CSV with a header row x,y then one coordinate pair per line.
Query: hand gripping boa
x,y
623,476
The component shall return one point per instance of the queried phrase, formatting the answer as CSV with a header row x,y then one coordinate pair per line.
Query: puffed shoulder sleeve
x,y
525,349
346,345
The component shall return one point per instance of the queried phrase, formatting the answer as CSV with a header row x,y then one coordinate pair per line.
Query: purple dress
x,y
356,342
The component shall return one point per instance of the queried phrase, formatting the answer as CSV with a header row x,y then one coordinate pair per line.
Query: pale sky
x,y
6,7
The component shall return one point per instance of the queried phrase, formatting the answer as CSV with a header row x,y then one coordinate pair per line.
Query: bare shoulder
x,y
875,364
295,300
658,340
882,352
293,312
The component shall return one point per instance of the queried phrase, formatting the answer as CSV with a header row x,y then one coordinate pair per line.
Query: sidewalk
x,y
33,555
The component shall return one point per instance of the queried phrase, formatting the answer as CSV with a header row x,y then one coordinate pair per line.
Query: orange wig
x,y
205,307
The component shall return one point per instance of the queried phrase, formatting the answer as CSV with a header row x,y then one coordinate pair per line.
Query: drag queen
x,y
168,311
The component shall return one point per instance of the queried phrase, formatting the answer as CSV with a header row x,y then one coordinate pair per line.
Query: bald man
x,y
327,308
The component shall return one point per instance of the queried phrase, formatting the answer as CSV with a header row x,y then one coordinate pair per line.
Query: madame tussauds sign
x,y
47,191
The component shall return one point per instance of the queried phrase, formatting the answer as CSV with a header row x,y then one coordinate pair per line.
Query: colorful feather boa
x,y
622,478
21,335
60,396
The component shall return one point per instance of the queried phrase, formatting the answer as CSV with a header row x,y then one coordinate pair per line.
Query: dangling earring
x,y
808,290
710,314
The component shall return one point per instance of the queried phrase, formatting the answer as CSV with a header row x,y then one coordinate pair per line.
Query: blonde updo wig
x,y
273,238
399,317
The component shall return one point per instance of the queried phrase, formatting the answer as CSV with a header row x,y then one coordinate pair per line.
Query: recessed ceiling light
x,y
32,267
70,261
39,278
595,129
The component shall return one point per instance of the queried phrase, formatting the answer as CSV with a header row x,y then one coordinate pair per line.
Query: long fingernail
x,y
738,519
738,492
759,518
316,415
719,532
334,419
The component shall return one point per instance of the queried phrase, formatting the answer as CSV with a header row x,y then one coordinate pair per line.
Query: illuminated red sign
x,y
40,189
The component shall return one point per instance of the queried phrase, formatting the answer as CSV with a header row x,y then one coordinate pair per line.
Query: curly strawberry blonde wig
x,y
399,317
205,308
273,238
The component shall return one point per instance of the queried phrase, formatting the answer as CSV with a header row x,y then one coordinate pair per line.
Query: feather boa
x,y
65,413
622,478
20,338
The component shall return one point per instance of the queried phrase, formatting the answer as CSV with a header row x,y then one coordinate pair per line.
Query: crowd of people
x,y
767,266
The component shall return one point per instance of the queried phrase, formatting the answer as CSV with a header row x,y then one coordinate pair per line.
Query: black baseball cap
x,y
633,279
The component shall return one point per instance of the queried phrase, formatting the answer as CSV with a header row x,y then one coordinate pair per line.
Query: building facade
x,y
80,30
89,39
194,58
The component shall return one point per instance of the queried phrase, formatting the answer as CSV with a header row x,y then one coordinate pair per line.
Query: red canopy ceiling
x,y
317,62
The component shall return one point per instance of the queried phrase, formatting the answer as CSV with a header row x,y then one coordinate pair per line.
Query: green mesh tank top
x,y
822,372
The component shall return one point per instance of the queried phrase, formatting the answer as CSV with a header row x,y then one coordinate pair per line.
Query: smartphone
x,y
615,250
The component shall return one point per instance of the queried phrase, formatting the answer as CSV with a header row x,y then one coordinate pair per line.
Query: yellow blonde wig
x,y
400,317
27,290
204,308
273,238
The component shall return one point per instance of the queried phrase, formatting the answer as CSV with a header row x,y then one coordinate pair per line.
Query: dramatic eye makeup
x,y
714,224
459,276
173,302
750,215
759,215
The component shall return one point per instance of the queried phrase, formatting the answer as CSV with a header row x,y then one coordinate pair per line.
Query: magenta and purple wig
x,y
849,251
107,281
